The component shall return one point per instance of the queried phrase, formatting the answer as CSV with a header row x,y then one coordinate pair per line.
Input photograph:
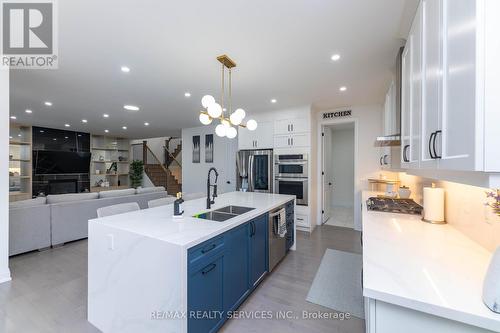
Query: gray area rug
x,y
337,284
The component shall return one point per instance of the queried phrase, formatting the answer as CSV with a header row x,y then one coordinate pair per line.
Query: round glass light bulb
x,y
205,119
225,123
207,100
235,119
220,130
214,110
251,125
241,113
231,132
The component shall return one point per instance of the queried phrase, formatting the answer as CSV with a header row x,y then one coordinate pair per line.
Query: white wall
x,y
369,126
342,167
194,175
4,176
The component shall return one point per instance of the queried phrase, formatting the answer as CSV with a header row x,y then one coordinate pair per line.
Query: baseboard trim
x,y
5,276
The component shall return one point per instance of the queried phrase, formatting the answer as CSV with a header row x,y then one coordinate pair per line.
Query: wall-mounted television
x,y
49,162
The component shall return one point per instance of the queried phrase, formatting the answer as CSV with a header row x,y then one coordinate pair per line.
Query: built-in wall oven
x,y
291,176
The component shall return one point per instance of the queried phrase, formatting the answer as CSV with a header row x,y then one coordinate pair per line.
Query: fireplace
x,y
62,186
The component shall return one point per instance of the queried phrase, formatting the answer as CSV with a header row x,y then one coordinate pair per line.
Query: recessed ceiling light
x,y
187,94
343,88
335,57
106,131
84,121
131,107
125,69
28,111
124,127
146,124
13,117
105,115
66,125
273,100
48,103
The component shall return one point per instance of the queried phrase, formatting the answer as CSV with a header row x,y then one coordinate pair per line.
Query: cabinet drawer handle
x,y
434,144
380,160
300,219
207,269
385,159
405,149
208,248
433,134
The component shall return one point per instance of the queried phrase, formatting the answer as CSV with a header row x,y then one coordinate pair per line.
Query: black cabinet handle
x,y
251,229
385,159
380,161
433,134
434,144
207,269
405,149
208,248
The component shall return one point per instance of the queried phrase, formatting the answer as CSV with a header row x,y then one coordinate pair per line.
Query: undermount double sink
x,y
224,213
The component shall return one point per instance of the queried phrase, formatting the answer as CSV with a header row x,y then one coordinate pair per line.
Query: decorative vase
x,y
491,286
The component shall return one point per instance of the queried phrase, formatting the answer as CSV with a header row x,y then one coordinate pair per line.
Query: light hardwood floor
x,y
49,290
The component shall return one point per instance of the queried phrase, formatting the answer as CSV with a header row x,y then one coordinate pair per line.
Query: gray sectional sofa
x,y
56,219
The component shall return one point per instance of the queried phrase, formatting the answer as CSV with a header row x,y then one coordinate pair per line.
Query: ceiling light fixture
x,y
187,94
214,110
105,115
48,103
343,88
125,69
66,125
28,111
84,121
106,131
131,107
335,57
146,124
124,127
273,100
13,117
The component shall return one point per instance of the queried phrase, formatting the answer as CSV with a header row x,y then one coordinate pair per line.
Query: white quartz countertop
x,y
430,268
188,231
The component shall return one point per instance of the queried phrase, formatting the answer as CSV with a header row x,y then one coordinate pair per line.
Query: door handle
x,y
434,144
433,134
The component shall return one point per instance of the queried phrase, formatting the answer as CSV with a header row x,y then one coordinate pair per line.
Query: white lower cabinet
x,y
384,317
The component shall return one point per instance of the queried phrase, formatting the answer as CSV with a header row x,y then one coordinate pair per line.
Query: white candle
x,y
434,205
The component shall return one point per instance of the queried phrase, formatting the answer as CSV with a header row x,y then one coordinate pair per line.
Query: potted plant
x,y
135,173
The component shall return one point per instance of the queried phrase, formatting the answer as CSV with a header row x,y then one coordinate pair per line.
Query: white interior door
x,y
327,180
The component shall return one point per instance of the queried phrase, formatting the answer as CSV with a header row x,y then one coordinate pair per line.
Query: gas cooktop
x,y
402,206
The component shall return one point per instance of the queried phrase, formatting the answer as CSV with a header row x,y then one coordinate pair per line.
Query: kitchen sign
x,y
337,114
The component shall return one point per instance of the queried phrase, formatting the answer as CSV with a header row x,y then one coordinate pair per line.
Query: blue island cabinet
x,y
223,271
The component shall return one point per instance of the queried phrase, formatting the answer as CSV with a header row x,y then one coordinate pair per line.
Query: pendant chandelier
x,y
213,110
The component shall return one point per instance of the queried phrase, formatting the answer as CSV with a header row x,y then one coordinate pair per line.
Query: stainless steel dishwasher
x,y
277,244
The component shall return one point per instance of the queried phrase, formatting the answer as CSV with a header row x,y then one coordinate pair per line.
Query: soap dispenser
x,y
178,206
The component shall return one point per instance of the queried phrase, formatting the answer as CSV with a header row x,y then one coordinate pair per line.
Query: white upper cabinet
x,y
261,138
412,95
290,126
451,79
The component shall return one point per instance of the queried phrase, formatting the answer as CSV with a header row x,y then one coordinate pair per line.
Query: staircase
x,y
168,174
160,176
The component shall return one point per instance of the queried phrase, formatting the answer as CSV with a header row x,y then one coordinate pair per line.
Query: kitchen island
x,y
150,272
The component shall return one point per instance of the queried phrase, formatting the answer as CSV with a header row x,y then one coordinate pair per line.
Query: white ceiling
x,y
282,49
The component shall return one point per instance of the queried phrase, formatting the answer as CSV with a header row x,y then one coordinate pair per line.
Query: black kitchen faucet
x,y
214,195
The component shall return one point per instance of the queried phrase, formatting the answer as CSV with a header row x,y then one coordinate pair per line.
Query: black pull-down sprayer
x,y
214,194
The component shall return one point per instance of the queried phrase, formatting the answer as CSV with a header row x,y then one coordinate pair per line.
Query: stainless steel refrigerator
x,y
254,170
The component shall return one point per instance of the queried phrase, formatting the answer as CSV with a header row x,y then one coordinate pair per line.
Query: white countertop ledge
x,y
430,268
188,231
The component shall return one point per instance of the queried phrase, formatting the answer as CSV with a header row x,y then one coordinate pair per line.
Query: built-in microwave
x,y
291,165
292,186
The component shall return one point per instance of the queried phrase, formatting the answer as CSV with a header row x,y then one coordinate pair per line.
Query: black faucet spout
x,y
214,195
